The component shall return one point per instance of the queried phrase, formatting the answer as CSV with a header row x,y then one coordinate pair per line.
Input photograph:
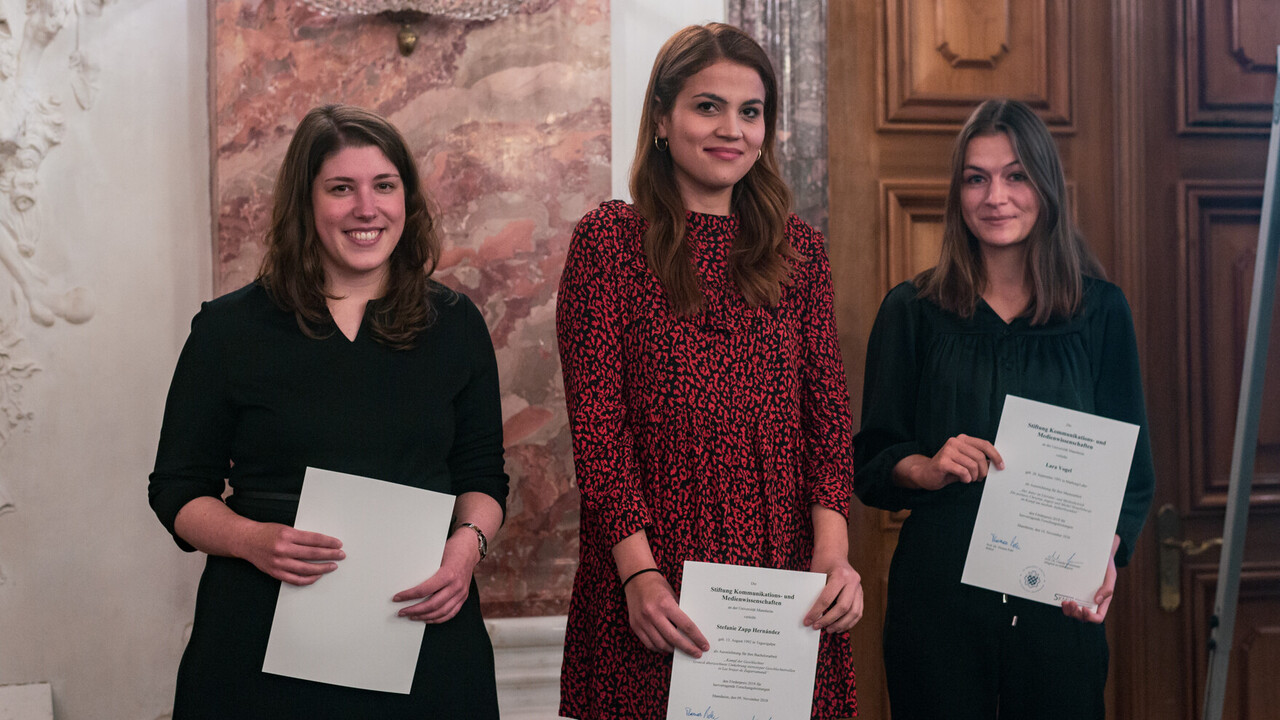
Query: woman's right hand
x,y
961,459
290,555
656,617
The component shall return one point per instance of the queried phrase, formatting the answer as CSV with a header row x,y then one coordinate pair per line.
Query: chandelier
x,y
403,11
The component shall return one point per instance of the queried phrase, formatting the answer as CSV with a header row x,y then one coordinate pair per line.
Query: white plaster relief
x,y
32,124
15,368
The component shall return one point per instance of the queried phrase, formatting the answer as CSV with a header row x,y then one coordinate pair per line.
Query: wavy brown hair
x,y
1057,257
760,258
292,271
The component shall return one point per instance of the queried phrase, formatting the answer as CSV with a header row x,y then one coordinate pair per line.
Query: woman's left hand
x,y
444,592
839,605
1070,608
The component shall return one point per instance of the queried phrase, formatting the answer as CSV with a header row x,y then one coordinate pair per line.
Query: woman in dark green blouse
x,y
1016,306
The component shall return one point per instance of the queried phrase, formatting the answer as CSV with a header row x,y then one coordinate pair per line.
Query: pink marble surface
x,y
509,121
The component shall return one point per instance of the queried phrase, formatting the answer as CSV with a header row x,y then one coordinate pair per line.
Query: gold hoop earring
x,y
661,143
759,154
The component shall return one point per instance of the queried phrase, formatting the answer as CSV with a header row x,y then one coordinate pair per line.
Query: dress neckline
x,y
705,224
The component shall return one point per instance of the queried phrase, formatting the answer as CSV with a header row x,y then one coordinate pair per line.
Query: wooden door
x,y
1205,74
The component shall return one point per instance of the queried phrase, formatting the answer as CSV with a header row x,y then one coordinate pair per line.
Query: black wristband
x,y
633,575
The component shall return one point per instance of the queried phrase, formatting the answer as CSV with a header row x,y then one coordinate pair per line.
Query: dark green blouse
x,y
932,375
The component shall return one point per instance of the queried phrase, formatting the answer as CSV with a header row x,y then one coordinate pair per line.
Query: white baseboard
x,y
527,653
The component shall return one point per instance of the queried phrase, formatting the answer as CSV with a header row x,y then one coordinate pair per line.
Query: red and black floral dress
x,y
715,434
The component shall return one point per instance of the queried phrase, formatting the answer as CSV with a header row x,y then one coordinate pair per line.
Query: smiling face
x,y
997,198
715,129
358,198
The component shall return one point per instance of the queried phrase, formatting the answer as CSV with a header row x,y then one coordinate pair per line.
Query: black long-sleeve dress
x,y
255,401
932,375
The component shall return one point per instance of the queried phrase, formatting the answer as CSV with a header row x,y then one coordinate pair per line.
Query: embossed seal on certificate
x,y
1032,579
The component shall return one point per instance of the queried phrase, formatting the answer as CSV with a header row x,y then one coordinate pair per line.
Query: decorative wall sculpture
x,y
33,89
32,124
15,368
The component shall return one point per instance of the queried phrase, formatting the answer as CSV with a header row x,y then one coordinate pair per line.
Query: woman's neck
x,y
704,201
347,302
1008,285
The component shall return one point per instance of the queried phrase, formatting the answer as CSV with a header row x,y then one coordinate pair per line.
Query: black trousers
x,y
959,652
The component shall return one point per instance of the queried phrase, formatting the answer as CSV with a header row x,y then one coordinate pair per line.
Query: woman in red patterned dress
x,y
706,394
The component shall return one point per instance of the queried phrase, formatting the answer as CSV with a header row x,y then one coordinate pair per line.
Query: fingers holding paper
x,y
962,458
1102,597
443,593
290,555
656,618
287,554
965,459
839,606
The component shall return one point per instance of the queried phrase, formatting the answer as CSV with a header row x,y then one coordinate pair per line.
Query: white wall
x,y
638,30
95,598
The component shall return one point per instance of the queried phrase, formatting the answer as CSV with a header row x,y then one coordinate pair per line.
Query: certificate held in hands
x,y
344,629
763,659
1046,521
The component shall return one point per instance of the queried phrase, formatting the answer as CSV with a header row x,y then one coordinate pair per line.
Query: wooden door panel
x,y
1203,159
1227,65
911,227
1253,688
1219,236
940,57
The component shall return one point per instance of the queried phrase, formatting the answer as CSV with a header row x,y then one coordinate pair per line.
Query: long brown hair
x,y
1057,257
760,259
292,270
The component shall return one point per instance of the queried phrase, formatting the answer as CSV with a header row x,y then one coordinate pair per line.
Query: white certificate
x,y
1046,521
762,659
343,629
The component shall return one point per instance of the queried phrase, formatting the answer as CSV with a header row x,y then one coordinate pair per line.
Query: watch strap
x,y
480,536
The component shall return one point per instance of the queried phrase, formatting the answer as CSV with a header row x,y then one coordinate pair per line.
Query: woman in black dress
x,y
342,355
1016,306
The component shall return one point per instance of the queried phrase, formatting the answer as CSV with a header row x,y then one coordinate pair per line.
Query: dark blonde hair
x,y
760,259
292,270
1057,257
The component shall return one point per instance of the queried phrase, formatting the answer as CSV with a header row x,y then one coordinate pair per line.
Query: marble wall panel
x,y
794,34
509,120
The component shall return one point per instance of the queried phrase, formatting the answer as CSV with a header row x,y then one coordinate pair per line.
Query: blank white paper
x,y
343,629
